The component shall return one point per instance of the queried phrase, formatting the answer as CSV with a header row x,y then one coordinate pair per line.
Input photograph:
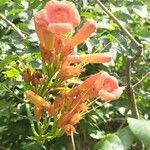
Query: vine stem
x,y
129,89
138,45
13,26
140,81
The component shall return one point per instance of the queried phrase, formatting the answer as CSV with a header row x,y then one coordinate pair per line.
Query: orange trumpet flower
x,y
98,85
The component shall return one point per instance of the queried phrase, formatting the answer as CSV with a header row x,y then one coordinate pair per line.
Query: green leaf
x,y
12,73
3,2
96,134
32,146
141,129
3,128
103,145
141,11
110,142
126,137
4,104
7,61
2,91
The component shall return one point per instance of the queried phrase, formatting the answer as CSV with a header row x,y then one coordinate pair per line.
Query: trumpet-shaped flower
x,y
54,26
58,17
98,85
68,71
49,108
47,55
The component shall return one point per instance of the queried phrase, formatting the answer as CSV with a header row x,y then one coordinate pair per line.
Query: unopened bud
x,y
34,98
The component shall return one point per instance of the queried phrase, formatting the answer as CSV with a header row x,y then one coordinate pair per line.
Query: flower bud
x,y
37,113
34,98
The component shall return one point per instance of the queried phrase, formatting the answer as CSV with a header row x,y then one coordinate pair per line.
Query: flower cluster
x,y
49,88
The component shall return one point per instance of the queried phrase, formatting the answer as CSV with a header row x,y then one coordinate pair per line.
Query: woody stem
x,y
130,60
13,26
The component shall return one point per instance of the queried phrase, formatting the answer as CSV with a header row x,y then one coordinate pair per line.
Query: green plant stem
x,y
13,26
30,119
73,143
10,91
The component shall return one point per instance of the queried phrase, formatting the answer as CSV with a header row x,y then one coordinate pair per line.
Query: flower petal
x,y
60,28
109,96
88,28
62,12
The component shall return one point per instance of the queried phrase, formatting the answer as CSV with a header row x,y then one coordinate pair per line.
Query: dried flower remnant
x,y
37,78
26,75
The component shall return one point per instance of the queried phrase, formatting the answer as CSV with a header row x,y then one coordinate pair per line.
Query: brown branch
x,y
138,45
130,60
129,89
3,148
140,81
13,26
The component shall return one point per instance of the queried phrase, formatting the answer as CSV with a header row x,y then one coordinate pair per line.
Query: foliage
x,y
103,128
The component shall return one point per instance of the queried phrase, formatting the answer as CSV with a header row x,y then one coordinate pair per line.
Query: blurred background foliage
x,y
100,127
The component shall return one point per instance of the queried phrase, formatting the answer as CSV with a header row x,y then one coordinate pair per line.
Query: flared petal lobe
x,y
58,17
62,12
60,28
111,90
88,28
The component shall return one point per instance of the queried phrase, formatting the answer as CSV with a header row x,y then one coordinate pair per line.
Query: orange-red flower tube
x,y
88,28
98,85
90,58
